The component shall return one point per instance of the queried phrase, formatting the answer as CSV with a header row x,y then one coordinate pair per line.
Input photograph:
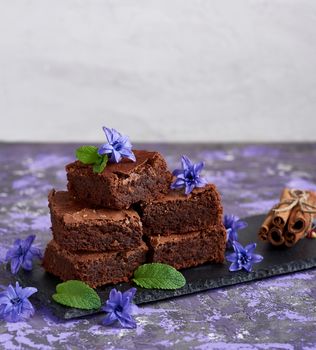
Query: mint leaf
x,y
77,294
159,276
101,164
88,154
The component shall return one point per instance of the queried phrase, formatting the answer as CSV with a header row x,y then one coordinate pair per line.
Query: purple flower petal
x,y
111,134
115,296
232,236
233,223
22,253
28,242
234,267
255,258
231,257
248,266
127,321
12,253
14,303
16,264
250,247
109,306
177,184
124,141
116,156
189,175
36,252
177,172
198,167
186,162
200,182
109,319
238,247
4,298
243,257
127,153
105,149
240,224
188,188
119,307
131,292
27,292
11,292
118,146
27,264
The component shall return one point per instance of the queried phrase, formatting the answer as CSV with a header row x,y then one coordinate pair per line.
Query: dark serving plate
x,y
277,261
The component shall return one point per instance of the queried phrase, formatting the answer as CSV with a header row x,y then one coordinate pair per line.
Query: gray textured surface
x,y
277,313
159,70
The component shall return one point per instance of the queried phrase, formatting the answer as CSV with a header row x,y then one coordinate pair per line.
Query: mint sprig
x,y
90,155
158,276
77,294
99,166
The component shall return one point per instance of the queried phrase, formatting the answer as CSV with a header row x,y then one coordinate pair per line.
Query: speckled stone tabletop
x,y
276,313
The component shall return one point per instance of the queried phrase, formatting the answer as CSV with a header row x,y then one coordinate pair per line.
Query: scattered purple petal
x,y
120,308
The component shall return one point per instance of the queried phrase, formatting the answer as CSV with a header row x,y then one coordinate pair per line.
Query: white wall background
x,y
195,70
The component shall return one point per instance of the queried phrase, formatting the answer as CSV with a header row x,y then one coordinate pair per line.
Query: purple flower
x,y
243,257
120,308
14,303
118,146
189,176
233,224
22,254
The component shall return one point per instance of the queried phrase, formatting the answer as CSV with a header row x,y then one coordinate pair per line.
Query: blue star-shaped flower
x,y
22,254
14,303
120,308
243,257
118,146
233,224
189,176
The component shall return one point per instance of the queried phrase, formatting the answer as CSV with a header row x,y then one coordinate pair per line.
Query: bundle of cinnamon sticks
x,y
291,219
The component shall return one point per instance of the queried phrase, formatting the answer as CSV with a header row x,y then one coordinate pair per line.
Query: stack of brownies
x,y
108,224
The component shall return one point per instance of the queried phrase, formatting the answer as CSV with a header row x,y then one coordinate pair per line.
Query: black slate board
x,y
277,261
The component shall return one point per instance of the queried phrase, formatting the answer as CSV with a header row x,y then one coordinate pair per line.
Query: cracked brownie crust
x,y
123,184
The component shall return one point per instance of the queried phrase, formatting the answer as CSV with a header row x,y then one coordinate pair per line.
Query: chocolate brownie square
x,y
189,249
123,184
76,227
95,269
178,213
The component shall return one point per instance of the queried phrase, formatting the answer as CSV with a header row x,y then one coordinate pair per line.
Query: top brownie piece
x,y
180,213
120,185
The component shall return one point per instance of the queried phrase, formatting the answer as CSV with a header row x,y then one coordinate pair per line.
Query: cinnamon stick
x,y
300,221
280,218
289,239
275,236
265,227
